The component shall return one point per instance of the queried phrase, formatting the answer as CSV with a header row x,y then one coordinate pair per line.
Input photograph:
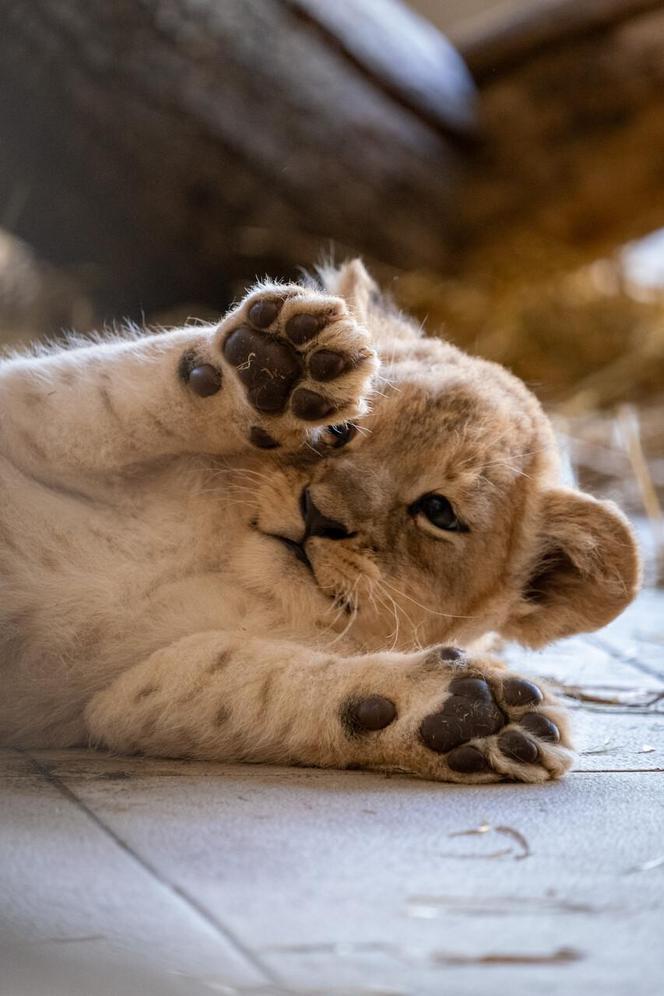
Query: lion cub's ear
x,y
585,569
356,286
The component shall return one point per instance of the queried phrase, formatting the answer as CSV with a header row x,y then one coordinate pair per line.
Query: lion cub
x,y
279,538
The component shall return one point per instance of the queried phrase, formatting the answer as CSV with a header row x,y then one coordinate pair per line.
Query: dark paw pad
x,y
205,380
468,713
326,365
519,692
302,328
310,406
368,715
263,313
517,747
467,760
469,687
268,368
540,726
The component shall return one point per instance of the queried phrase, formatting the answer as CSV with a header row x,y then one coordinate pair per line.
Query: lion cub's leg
x,y
286,360
436,714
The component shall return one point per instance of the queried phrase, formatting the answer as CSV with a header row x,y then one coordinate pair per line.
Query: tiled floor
x,y
129,877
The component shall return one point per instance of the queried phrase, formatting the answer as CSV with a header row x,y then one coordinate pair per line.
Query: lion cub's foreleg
x,y
436,713
286,360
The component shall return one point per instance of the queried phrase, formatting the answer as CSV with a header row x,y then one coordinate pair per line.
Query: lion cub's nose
x,y
317,524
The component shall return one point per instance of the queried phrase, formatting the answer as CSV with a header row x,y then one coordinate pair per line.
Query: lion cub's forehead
x,y
461,422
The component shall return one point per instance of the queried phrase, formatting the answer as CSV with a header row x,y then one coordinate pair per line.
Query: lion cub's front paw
x,y
462,720
301,358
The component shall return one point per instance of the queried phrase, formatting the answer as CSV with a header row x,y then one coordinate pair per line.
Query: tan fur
x,y
144,606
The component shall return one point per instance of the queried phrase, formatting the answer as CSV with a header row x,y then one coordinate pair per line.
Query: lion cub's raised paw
x,y
454,718
301,358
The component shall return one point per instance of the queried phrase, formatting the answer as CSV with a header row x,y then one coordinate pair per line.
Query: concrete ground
x,y
121,877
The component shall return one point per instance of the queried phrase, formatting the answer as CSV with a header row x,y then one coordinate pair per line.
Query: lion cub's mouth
x,y
340,599
297,549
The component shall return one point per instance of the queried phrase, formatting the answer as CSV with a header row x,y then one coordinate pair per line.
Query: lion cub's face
x,y
440,519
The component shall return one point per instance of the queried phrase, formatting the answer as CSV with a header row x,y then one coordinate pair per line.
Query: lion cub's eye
x,y
337,436
440,513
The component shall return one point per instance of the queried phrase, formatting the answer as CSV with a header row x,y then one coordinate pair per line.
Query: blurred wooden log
x,y
572,106
495,42
415,65
180,144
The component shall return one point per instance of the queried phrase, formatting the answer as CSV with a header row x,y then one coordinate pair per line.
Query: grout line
x,y
616,771
601,643
147,866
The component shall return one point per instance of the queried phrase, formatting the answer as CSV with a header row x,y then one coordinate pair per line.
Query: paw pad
x,y
518,747
267,368
472,713
205,380
273,352
370,714
310,406
468,713
302,328
540,726
474,732
263,313
326,365
471,688
519,692
467,760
